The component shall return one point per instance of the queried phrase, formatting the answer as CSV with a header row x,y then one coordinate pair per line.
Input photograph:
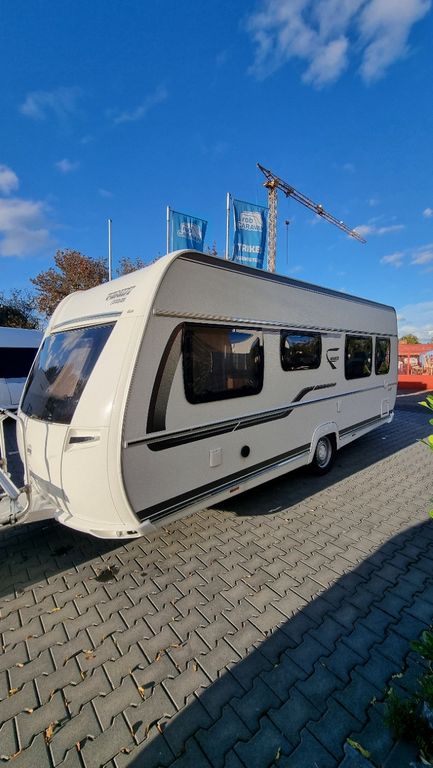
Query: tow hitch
x,y
14,501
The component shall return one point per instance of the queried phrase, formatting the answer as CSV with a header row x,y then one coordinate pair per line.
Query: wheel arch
x,y
329,429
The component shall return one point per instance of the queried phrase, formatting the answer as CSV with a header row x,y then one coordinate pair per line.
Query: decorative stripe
x,y
233,425
362,424
178,503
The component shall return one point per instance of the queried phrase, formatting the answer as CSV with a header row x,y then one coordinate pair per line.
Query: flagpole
x,y
168,229
227,224
110,255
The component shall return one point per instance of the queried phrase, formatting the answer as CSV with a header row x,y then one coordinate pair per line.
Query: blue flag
x,y
249,242
187,231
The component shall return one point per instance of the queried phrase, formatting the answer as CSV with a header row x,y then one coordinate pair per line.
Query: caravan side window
x,y
300,351
219,363
382,356
358,357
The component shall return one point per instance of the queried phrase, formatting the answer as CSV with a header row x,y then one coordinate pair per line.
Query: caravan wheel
x,y
324,455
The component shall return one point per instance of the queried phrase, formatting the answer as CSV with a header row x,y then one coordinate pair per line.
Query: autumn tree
x,y
127,265
18,310
73,271
410,338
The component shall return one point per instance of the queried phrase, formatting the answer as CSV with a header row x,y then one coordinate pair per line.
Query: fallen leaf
x,y
195,667
19,665
12,691
89,655
49,732
78,745
141,691
53,610
29,711
160,727
83,674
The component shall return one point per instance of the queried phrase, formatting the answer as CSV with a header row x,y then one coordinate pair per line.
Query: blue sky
x,y
116,109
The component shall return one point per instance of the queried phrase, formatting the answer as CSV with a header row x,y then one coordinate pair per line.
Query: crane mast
x,y
273,183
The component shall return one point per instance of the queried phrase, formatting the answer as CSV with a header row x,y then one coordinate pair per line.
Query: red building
x,y
415,366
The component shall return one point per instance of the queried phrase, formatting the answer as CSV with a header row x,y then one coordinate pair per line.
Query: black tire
x,y
324,455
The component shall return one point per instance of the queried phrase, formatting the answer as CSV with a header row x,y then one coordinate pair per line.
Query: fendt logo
x,y
332,357
189,230
251,221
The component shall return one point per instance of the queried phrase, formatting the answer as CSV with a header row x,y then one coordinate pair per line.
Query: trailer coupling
x,y
14,501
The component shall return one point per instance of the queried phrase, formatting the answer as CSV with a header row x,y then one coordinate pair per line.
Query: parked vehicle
x,y
192,380
18,347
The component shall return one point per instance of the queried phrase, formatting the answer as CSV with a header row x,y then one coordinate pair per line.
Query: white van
x,y
18,347
190,381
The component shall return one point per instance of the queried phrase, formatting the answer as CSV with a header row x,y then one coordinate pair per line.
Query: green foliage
x,y
424,646
18,310
410,338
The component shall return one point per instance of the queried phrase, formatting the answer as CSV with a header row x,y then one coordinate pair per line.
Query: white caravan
x,y
18,347
189,381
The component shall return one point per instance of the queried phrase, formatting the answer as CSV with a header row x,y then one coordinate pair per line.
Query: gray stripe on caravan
x,y
257,414
200,493
259,274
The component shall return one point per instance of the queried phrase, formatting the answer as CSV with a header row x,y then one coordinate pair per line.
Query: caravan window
x,y
15,362
358,357
219,363
61,371
300,351
382,356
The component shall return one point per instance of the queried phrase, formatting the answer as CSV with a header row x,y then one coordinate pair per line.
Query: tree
x,y
18,310
410,338
73,271
127,265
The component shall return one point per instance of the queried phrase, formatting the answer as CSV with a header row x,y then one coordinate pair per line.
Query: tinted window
x,y
15,362
382,356
300,351
61,371
357,362
219,363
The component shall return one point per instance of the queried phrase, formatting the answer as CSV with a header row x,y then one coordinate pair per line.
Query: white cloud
x,y
323,34
423,255
394,259
22,227
140,112
417,319
372,229
385,26
67,166
61,102
8,180
428,213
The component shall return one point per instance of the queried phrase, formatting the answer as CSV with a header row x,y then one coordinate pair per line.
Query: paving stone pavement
x,y
255,634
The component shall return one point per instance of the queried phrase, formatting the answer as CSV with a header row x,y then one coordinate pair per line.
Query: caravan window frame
x,y
193,393
356,337
286,366
387,357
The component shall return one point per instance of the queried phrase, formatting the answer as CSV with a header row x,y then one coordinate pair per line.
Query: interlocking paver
x,y
232,632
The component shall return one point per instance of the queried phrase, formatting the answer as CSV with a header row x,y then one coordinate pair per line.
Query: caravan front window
x,y
61,371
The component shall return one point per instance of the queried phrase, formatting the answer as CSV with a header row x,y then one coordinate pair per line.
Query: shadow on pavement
x,y
300,693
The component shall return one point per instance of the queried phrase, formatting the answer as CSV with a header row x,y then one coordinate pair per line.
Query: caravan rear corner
x,y
194,379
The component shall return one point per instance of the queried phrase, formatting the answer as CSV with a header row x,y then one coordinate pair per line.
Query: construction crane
x,y
274,183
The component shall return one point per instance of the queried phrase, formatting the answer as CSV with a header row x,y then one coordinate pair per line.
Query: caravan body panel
x,y
183,385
